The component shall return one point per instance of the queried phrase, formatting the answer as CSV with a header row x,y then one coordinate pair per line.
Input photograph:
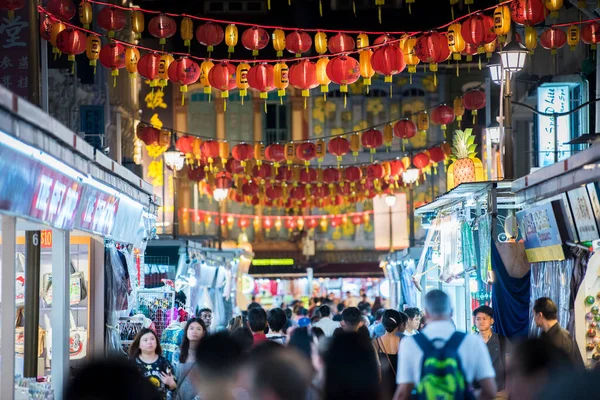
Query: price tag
x,y
46,239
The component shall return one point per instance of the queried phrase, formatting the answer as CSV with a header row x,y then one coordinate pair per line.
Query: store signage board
x,y
56,198
553,99
593,192
583,214
540,231
262,262
17,184
98,212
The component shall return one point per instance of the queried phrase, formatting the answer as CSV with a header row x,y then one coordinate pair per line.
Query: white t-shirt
x,y
328,325
473,353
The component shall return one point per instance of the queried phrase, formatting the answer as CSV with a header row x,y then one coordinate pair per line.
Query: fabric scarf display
x,y
485,240
469,259
510,299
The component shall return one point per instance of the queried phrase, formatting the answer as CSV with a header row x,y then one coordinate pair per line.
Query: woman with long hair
x,y
146,352
195,330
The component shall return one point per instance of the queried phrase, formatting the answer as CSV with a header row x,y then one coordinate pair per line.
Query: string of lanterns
x,y
268,222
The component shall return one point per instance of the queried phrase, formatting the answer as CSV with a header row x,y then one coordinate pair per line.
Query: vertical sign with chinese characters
x,y
553,99
14,59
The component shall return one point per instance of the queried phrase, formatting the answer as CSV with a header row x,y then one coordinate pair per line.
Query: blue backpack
x,y
442,376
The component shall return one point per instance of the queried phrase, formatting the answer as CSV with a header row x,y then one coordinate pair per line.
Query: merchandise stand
x,y
156,305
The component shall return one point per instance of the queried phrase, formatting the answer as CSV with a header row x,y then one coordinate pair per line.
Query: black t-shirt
x,y
153,371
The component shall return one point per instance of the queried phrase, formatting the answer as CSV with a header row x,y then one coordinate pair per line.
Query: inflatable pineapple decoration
x,y
466,167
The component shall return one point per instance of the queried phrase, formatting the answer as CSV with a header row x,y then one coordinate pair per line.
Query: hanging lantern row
x,y
268,222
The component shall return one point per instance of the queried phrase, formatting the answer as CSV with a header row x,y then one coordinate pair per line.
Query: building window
x,y
277,123
235,7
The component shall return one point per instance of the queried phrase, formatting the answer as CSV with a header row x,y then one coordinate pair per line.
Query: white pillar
x,y
60,310
7,349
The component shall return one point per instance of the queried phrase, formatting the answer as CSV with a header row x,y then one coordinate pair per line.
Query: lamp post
x,y
512,58
495,67
174,160
220,194
390,201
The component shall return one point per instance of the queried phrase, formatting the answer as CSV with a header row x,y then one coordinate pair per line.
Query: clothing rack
x,y
156,305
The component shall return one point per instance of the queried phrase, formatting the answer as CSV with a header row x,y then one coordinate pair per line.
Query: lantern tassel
x,y
345,100
114,81
321,8
391,90
410,8
269,5
265,106
73,68
452,11
435,79
457,70
224,105
324,96
410,78
480,62
305,102
379,9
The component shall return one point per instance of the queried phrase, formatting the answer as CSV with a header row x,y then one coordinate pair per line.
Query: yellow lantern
x,y
366,69
259,153
278,39
187,32
205,68
459,108
502,22
137,23
406,162
321,42
57,27
92,50
281,79
355,144
573,37
231,38
224,152
323,224
554,6
196,148
423,122
489,49
85,14
407,45
322,78
241,79
388,136
456,43
163,69
321,151
362,41
290,153
530,39
132,56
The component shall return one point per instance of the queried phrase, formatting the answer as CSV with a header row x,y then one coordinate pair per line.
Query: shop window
x,y
277,122
238,119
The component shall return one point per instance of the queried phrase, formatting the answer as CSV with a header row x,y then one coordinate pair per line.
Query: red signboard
x,y
56,198
46,239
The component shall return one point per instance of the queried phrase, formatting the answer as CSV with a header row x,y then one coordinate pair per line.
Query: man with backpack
x,y
442,363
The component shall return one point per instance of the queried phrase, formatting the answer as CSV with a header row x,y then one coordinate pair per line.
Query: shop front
x,y
60,213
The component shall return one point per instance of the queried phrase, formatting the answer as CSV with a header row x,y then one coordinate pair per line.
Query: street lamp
x,y
495,67
410,176
220,194
174,160
513,56
390,200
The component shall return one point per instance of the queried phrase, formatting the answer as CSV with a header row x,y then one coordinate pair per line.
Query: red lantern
x,y
298,42
162,27
312,223
474,100
590,34
343,70
112,20
261,78
184,144
339,147
210,150
437,156
222,77
148,66
299,192
276,154
243,152
405,129
234,167
308,175
250,188
11,6
149,135
46,27
396,168
196,174
478,30
372,139
528,12
243,223
331,175
432,48
469,51
290,223
112,56
383,39
353,174
184,72
553,39
255,39
71,42
274,192
375,171
442,115
63,9
421,160
263,171
306,151
210,35
341,43
388,60
303,76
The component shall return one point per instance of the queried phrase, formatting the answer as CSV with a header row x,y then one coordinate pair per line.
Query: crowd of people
x,y
336,349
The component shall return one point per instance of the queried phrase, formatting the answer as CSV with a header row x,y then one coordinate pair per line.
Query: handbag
x,y
20,335
77,287
20,279
78,339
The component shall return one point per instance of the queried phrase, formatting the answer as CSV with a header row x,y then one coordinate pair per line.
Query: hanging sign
x,y
539,229
583,214
553,99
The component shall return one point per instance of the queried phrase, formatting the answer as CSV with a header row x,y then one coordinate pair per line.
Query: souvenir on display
x,y
591,333
589,316
595,310
590,347
590,300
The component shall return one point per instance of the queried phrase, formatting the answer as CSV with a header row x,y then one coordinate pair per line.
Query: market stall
x,y
56,219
